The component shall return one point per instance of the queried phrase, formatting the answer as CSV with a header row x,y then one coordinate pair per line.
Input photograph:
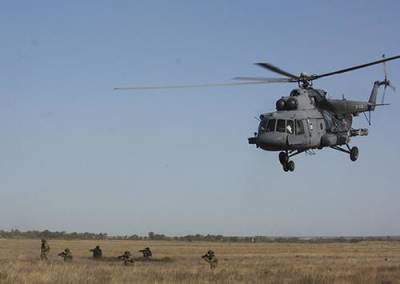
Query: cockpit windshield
x,y
290,127
281,125
263,125
267,125
271,125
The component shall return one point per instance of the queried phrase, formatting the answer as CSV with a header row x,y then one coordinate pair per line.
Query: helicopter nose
x,y
271,141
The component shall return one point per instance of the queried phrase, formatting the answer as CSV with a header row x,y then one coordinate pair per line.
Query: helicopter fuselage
x,y
308,120
290,130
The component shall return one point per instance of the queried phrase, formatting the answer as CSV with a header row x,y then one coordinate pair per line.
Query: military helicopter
x,y
306,119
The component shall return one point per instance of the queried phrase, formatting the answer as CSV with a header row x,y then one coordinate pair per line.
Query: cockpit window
x,y
299,127
290,126
280,126
263,125
271,125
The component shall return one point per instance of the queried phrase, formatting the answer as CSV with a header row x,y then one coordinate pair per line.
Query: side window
x,y
299,127
290,127
271,125
280,126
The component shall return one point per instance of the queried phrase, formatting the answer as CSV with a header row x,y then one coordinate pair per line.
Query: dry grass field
x,y
179,262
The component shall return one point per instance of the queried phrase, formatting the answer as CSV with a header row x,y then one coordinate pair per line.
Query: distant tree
x,y
151,235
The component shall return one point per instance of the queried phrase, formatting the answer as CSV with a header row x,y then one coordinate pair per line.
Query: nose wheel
x,y
287,164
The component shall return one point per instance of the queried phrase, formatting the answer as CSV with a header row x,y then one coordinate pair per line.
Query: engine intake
x,y
280,104
289,104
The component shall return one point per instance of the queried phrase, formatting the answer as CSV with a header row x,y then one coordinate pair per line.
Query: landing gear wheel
x,y
291,166
354,154
288,166
285,167
283,158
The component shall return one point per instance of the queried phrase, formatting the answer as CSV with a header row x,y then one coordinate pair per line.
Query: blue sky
x,y
77,156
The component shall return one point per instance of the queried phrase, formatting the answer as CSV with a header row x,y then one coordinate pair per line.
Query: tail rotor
x,y
386,82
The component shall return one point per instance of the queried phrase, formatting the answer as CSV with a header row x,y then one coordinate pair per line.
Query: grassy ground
x,y
364,262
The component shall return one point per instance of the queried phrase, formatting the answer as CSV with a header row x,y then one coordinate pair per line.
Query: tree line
x,y
46,234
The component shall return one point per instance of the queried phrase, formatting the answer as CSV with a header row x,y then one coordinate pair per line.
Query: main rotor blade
x,y
313,77
265,79
277,70
189,86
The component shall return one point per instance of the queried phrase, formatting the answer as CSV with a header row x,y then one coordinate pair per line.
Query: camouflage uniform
x,y
44,250
126,257
211,259
66,254
146,253
97,253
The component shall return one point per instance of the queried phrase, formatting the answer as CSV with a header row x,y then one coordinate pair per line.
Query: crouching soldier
x,y
44,250
97,252
126,257
66,254
211,259
146,253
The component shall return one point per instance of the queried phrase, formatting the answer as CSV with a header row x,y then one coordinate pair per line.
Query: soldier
x,y
126,257
146,253
44,250
66,254
211,259
97,253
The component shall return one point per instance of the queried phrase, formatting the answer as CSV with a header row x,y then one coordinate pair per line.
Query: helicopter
x,y
307,119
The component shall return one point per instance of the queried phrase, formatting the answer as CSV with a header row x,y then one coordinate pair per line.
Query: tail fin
x,y
374,94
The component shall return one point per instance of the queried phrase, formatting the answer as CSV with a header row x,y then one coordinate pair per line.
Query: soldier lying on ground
x,y
44,250
126,257
146,253
97,253
66,254
211,259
